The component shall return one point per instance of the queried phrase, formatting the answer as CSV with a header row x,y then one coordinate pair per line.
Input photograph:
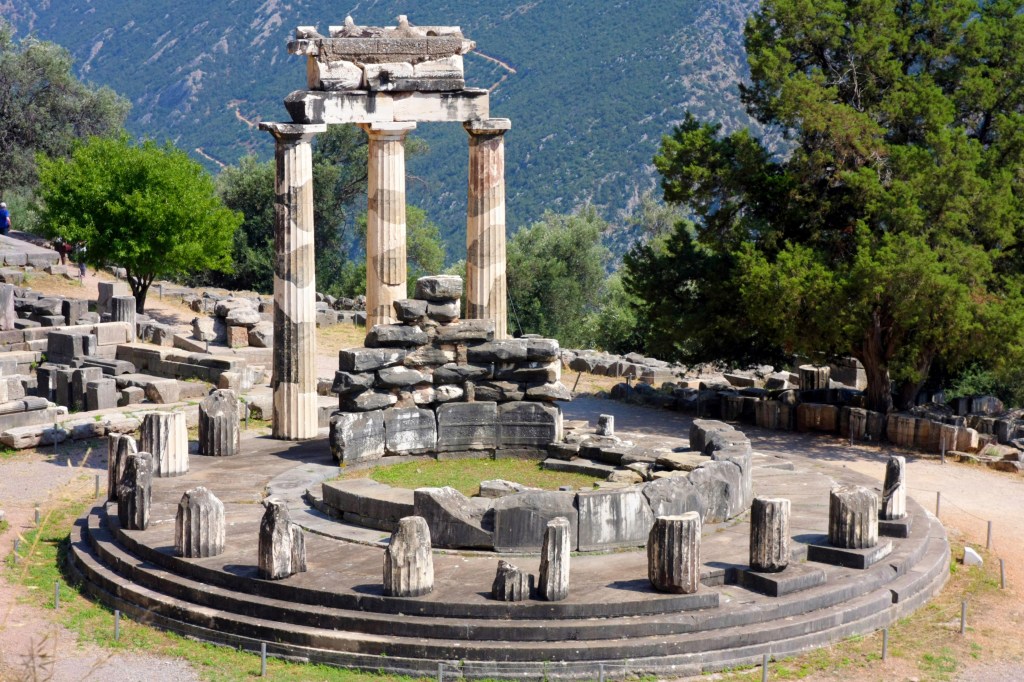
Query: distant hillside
x,y
590,85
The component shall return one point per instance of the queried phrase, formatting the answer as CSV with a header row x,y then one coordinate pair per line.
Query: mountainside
x,y
590,85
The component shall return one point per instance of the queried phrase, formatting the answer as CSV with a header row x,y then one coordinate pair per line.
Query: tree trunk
x,y
879,390
140,287
906,394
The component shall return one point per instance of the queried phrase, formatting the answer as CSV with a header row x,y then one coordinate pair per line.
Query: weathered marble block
x,y
357,436
520,519
554,560
613,518
467,426
769,534
135,493
852,518
122,309
528,425
813,377
606,425
409,430
165,436
199,527
453,518
408,560
510,583
219,434
894,490
119,447
282,545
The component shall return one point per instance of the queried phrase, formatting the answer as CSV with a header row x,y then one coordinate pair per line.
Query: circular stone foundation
x,y
612,620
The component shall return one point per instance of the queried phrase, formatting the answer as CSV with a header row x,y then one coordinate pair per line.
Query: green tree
x,y
556,275
890,231
147,208
44,108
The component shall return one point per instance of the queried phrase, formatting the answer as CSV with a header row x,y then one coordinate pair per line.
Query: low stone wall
x,y
631,365
715,481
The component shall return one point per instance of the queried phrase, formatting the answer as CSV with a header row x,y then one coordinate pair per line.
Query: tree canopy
x,y
889,228
44,108
147,208
556,276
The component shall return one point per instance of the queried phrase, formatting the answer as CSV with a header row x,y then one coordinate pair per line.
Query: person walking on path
x,y
5,219
80,259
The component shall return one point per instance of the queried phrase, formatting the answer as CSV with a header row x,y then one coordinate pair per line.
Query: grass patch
x,y
465,474
42,562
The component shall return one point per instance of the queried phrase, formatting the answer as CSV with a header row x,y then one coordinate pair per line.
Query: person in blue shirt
x,y
5,219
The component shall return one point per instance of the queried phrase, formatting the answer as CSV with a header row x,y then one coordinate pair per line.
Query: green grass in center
x,y
465,474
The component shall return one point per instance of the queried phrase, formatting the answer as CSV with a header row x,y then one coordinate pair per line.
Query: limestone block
x,y
357,437
894,490
337,74
901,429
497,487
438,288
725,439
346,383
368,401
131,395
199,527
204,329
135,493
400,377
410,309
119,447
453,520
219,434
769,534
813,377
107,292
163,391
243,317
520,519
549,392
165,437
699,430
613,518
408,561
409,430
927,435
238,336
971,557
467,426
680,461
368,359
673,553
673,496
720,485
767,414
528,425
501,350
553,584
510,583
428,357
101,395
80,378
606,425
395,336
282,545
852,517
443,312
262,335
742,457
467,331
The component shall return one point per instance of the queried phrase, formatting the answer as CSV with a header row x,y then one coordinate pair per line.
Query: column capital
x,y
388,130
293,132
488,126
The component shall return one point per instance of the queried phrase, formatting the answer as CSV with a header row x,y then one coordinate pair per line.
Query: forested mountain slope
x,y
590,85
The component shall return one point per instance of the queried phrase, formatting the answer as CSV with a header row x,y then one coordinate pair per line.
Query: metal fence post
x,y
764,668
963,617
885,643
263,659
117,625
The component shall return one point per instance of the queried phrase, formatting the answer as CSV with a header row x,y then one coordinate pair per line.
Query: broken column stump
x,y
510,583
554,560
199,527
165,436
408,561
282,546
122,309
814,377
769,534
135,492
852,517
673,553
119,446
894,491
219,434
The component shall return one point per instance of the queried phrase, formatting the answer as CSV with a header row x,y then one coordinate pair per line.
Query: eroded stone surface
x,y
199,528
510,583
119,447
553,584
852,517
135,494
282,545
769,534
673,553
219,434
894,490
165,436
408,561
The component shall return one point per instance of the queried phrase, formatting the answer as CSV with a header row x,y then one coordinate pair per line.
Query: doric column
x,y
385,221
294,374
485,224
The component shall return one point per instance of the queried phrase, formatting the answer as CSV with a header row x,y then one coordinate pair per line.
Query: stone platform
x,y
336,612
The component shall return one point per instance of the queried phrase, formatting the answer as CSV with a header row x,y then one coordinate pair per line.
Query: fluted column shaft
x,y
386,272
486,297
294,372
